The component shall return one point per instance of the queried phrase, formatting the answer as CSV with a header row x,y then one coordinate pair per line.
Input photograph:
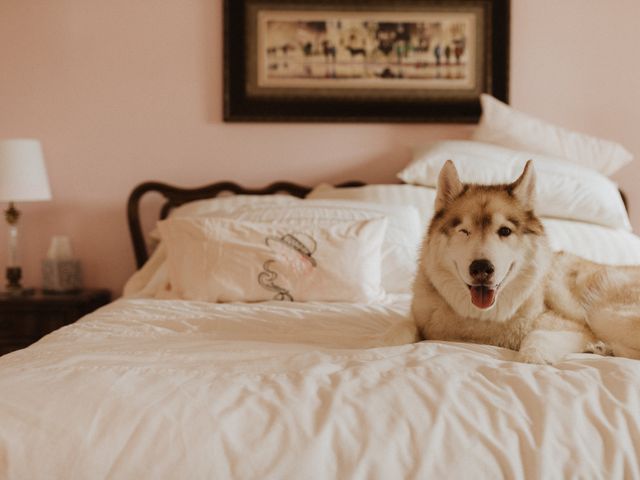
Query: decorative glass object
x,y
61,273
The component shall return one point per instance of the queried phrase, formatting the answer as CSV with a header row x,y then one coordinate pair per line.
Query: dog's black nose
x,y
481,270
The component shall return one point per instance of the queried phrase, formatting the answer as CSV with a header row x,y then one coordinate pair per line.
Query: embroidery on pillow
x,y
267,278
293,249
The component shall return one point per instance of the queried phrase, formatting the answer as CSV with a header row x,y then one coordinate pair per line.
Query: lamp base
x,y
22,292
14,288
14,274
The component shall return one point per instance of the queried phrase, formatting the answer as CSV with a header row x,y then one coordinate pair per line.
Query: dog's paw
x,y
536,356
599,348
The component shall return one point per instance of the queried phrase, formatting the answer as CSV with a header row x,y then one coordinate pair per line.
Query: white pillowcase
x,y
502,125
593,242
229,203
563,189
225,205
422,198
223,260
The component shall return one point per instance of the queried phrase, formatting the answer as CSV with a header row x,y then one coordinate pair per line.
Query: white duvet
x,y
174,389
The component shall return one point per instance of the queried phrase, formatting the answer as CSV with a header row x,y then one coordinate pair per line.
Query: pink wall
x,y
120,92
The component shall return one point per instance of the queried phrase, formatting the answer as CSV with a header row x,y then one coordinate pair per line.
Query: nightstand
x,y
25,319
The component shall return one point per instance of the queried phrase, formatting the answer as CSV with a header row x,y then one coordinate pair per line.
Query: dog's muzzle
x,y
483,293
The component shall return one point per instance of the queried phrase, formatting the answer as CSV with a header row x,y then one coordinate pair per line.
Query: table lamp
x,y
23,178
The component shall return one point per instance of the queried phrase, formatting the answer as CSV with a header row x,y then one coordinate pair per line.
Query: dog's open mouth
x,y
482,296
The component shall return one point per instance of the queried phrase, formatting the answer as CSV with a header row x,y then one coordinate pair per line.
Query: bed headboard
x,y
176,196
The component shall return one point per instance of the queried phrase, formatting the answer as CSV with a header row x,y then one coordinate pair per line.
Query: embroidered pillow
x,y
224,260
401,240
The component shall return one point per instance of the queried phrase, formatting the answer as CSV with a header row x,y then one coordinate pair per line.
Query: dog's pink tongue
x,y
482,297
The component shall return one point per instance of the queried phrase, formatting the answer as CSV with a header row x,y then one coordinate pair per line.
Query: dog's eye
x,y
504,231
466,232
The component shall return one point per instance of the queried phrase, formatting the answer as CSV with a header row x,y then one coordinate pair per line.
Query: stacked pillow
x,y
571,167
502,125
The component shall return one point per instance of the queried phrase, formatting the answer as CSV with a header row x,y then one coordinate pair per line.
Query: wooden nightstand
x,y
25,319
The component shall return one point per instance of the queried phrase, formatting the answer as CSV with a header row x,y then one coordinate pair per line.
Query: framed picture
x,y
350,60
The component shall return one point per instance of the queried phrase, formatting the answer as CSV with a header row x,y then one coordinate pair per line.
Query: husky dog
x,y
487,275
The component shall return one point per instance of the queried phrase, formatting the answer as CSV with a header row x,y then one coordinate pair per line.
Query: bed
x,y
156,385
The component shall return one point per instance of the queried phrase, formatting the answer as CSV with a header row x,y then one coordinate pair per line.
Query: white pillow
x,y
563,189
225,205
422,198
152,280
229,203
223,260
593,242
502,125
402,238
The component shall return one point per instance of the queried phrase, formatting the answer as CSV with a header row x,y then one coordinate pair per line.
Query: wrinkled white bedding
x,y
174,389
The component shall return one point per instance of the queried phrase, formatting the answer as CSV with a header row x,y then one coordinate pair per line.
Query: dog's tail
x,y
612,299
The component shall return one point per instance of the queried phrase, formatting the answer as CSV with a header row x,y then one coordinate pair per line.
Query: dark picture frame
x,y
363,61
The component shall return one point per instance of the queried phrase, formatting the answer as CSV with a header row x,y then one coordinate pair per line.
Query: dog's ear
x,y
524,188
449,185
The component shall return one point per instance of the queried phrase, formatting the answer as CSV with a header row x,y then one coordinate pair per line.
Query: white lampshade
x,y
23,176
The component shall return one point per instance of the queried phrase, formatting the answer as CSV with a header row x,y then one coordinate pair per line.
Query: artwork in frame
x,y
350,60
